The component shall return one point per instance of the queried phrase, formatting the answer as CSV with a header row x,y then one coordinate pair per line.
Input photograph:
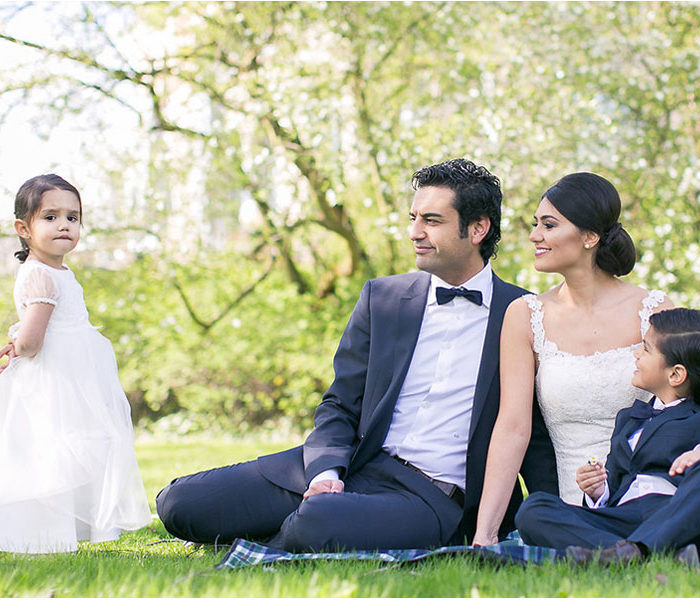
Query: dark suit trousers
x,y
385,505
658,522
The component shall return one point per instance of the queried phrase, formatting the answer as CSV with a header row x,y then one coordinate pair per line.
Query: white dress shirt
x,y
643,484
432,415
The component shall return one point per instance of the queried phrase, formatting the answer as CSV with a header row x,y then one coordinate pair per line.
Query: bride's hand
x,y
591,480
484,540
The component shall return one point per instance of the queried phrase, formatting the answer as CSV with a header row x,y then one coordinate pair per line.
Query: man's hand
x,y
8,351
327,486
685,460
591,480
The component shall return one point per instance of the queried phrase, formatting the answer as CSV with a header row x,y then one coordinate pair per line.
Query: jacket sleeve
x,y
539,468
334,437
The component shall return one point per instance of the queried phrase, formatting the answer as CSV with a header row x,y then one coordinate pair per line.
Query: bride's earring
x,y
586,246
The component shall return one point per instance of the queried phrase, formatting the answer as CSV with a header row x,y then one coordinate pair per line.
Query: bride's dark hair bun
x,y
616,253
592,203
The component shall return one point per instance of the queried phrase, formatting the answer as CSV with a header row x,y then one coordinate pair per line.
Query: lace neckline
x,y
547,347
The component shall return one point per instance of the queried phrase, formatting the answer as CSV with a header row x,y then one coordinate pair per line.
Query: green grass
x,y
140,565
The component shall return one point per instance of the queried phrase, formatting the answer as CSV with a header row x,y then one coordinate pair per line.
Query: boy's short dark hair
x,y
678,339
477,194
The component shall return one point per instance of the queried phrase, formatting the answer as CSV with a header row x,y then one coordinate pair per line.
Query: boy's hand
x,y
591,480
685,460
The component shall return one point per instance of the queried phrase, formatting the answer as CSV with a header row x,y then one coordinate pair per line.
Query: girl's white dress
x,y
68,469
580,395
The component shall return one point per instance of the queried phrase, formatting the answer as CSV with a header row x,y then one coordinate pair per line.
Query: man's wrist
x,y
327,475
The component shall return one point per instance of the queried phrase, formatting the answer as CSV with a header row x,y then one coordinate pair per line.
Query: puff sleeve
x,y
38,286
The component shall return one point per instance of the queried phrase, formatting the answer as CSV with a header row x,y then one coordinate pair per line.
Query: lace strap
x,y
536,317
652,300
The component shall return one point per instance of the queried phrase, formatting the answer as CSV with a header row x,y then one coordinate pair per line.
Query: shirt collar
x,y
658,405
482,281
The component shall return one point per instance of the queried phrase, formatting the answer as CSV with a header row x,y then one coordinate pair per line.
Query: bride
x,y
574,342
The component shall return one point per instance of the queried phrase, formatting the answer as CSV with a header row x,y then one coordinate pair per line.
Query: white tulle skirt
x,y
68,469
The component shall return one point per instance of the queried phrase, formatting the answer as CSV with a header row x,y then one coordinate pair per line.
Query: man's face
x,y
436,237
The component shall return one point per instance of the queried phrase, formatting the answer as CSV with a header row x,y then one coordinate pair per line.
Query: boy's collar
x,y
658,405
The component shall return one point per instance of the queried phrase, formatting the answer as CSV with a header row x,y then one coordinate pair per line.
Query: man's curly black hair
x,y
477,194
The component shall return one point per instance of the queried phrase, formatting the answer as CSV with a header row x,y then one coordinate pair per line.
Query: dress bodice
x,y
37,282
580,395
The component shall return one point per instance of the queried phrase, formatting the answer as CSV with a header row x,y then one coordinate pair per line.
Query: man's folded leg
x,y
385,505
225,503
351,521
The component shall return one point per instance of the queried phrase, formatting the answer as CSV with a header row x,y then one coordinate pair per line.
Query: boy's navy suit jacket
x,y
370,366
664,438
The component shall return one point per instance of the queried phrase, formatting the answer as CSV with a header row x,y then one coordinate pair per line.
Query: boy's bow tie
x,y
643,410
444,295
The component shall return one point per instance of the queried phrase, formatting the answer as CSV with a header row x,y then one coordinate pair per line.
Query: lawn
x,y
148,563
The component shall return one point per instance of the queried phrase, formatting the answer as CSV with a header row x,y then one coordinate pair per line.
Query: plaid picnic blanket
x,y
244,553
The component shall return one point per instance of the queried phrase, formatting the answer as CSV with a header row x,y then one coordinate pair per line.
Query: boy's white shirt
x,y
643,484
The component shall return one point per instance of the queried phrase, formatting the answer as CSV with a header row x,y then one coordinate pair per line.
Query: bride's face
x,y
559,244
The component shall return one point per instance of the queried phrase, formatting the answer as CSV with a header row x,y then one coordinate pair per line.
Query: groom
x,y
397,455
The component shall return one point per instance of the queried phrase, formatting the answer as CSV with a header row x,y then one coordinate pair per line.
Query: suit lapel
x,y
410,320
488,367
619,441
404,330
680,411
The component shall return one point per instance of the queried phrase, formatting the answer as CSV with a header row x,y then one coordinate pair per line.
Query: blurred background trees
x,y
250,163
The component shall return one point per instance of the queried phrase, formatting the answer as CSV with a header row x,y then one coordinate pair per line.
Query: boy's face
x,y
652,372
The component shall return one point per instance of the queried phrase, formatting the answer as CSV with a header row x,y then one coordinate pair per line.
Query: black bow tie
x,y
643,410
444,295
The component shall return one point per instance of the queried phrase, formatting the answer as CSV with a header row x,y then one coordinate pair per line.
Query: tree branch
x,y
207,325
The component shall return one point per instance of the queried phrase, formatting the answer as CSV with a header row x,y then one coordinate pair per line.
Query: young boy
x,y
647,498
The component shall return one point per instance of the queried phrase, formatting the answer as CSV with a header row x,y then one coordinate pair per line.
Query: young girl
x,y
68,470
647,498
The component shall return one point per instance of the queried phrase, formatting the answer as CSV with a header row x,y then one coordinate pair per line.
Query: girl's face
x,y
55,228
559,244
652,372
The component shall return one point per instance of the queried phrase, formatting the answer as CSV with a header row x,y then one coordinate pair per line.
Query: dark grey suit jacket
x,y
663,439
370,366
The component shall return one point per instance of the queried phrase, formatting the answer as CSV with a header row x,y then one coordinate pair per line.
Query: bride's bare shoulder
x,y
551,295
519,312
638,296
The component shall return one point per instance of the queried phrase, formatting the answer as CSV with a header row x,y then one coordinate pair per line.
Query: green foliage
x,y
268,356
286,133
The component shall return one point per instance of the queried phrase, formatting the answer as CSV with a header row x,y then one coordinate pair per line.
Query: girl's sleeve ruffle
x,y
39,287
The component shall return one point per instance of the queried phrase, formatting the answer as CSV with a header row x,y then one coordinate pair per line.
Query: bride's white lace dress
x,y
580,395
